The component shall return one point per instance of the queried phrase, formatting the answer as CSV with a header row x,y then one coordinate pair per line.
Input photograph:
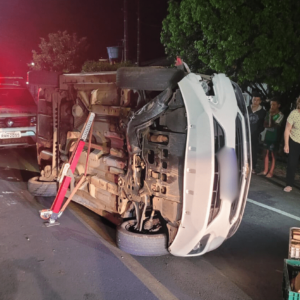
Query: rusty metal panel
x,y
86,79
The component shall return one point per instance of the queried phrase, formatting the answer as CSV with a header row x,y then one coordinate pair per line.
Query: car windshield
x,y
12,97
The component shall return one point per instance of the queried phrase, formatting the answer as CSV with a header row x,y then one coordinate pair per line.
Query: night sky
x,y
23,22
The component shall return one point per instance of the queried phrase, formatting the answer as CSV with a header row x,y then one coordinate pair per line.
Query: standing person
x,y
256,118
292,145
273,123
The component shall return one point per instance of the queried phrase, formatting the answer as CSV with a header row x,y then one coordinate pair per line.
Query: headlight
x,y
200,245
33,121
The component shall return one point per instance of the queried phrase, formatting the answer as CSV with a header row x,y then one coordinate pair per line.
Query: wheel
x,y
42,188
140,244
148,79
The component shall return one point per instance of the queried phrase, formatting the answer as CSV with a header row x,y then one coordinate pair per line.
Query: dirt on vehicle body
x,y
139,141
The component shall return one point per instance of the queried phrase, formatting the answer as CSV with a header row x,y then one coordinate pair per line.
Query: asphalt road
x,y
79,260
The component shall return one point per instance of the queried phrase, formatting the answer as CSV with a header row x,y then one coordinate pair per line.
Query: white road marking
x,y
274,209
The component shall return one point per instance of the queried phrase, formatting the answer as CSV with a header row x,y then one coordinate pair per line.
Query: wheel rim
x,y
131,227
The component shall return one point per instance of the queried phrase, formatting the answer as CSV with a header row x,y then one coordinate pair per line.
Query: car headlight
x,y
33,121
200,245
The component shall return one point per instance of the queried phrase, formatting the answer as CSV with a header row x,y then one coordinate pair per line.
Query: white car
x,y
17,115
217,165
170,160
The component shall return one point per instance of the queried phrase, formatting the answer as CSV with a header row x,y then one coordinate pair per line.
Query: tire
x,y
42,188
148,79
140,244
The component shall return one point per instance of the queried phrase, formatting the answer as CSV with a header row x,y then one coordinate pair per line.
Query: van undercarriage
x,y
160,140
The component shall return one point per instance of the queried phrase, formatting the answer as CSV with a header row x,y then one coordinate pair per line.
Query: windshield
x,y
12,97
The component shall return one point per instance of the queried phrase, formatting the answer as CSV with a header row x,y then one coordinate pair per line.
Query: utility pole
x,y
138,49
125,31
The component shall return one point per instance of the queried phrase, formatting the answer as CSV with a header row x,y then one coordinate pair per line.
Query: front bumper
x,y
197,230
27,139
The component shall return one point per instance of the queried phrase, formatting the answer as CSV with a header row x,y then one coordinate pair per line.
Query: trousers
x,y
254,146
292,163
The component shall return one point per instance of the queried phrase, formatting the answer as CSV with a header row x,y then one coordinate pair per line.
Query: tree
x,y
253,42
62,52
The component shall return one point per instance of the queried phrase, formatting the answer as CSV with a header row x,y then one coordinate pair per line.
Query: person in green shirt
x,y
273,122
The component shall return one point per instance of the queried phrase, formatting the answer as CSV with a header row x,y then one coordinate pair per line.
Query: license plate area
x,y
10,135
